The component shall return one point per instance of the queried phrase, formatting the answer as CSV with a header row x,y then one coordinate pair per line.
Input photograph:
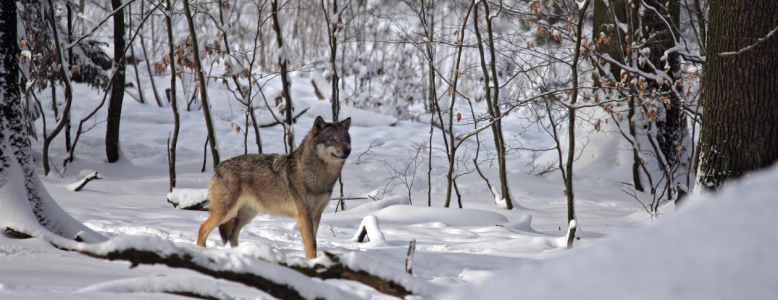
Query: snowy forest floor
x,y
454,246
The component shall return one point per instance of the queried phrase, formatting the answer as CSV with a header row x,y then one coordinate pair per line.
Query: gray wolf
x,y
297,185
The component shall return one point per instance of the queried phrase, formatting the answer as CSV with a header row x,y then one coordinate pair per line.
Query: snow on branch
x,y
758,41
94,29
77,186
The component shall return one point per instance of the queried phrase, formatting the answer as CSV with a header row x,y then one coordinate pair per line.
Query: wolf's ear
x,y
319,124
346,123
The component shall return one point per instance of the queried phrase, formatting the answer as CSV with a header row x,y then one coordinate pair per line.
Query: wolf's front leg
x,y
305,222
316,221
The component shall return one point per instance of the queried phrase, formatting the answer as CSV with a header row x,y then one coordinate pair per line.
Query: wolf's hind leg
x,y
244,217
223,206
215,219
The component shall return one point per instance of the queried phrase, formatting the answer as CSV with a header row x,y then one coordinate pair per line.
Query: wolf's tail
x,y
227,229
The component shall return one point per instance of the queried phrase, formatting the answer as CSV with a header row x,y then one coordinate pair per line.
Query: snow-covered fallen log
x,y
189,199
277,281
257,266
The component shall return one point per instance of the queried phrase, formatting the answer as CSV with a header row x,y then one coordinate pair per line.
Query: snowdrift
x,y
717,247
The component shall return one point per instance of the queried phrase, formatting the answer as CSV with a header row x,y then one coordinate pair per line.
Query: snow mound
x,y
370,225
361,262
16,211
523,224
184,284
718,247
408,214
383,203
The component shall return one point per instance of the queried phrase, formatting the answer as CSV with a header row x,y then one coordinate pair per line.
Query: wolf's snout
x,y
346,151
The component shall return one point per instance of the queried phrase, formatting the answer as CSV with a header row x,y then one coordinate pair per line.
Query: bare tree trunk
x,y
201,82
332,30
69,6
450,180
171,94
54,98
571,128
603,14
283,61
146,56
117,87
134,61
672,128
492,100
68,92
429,32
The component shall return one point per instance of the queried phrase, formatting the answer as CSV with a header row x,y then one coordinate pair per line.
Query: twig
x,y
350,198
372,144
277,122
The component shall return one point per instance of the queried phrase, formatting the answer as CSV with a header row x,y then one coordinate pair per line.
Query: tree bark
x,y
117,87
740,123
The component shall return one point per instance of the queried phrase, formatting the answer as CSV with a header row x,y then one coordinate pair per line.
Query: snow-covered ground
x,y
715,247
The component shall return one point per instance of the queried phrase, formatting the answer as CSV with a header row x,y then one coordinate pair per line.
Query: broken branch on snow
x,y
77,186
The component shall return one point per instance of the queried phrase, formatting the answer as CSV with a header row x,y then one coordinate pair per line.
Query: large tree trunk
x,y
117,87
740,122
15,151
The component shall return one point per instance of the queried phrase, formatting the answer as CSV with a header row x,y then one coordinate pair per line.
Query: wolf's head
x,y
331,140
